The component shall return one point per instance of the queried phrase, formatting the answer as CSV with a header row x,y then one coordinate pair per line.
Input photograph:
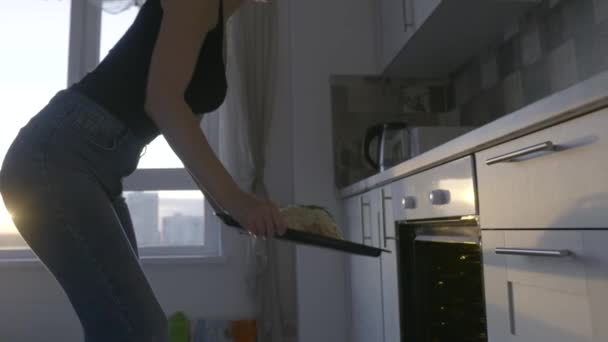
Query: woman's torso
x,y
118,83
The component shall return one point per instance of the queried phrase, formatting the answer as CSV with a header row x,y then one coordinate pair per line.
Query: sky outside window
x,y
34,38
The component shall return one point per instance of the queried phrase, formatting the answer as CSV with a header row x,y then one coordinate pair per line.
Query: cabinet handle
x,y
385,238
379,221
534,252
511,308
363,236
407,15
508,157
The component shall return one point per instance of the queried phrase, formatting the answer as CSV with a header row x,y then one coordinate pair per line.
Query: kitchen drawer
x,y
562,188
452,181
546,298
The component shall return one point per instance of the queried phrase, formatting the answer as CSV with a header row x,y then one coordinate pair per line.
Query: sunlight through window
x,y
34,36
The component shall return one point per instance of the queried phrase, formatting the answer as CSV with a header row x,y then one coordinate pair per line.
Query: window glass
x,y
34,40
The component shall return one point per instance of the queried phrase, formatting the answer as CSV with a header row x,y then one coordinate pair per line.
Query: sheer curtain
x,y
245,125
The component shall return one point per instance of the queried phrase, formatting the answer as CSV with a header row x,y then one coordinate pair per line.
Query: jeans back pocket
x,y
99,129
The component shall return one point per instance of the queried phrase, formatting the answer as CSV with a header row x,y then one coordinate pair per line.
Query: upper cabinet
x,y
431,38
395,27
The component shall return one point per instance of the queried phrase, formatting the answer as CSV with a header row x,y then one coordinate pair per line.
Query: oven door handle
x,y
534,252
447,239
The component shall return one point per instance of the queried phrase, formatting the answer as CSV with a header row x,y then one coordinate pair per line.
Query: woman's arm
x,y
183,29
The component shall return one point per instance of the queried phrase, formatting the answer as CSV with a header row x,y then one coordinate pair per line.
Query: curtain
x,y
245,124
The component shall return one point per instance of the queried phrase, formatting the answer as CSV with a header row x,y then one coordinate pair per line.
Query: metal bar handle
x,y
545,146
407,14
385,238
534,252
447,239
363,236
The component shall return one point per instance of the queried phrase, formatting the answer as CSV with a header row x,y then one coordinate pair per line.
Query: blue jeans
x,y
62,182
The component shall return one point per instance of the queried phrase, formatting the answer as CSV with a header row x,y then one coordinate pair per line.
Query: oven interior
x,y
441,281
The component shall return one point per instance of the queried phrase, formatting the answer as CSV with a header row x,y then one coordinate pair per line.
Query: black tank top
x,y
118,83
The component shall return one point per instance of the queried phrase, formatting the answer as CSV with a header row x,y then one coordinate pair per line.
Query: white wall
x,y
34,308
326,37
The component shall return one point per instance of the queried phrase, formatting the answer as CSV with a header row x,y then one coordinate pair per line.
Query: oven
x,y
441,281
439,255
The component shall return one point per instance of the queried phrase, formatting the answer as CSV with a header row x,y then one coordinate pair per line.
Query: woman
x,y
61,178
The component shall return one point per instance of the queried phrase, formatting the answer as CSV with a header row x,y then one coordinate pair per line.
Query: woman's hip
x,y
73,134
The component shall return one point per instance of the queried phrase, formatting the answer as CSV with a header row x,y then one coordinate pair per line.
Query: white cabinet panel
x,y
390,280
365,273
374,281
366,299
352,209
541,298
562,188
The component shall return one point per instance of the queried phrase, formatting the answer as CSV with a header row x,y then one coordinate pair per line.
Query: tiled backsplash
x,y
557,44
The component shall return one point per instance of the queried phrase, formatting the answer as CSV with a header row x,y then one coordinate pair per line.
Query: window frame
x,y
83,56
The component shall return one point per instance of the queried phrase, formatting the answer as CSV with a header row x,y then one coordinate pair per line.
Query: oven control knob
x,y
409,202
439,197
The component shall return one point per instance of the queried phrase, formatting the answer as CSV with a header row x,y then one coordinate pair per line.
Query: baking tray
x,y
310,239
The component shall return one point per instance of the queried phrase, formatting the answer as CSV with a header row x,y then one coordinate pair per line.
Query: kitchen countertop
x,y
580,99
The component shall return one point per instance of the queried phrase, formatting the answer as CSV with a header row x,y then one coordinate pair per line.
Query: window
x,y
172,220
168,210
34,42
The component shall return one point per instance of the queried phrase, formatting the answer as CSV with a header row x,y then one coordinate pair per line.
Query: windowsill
x,y
145,261
172,260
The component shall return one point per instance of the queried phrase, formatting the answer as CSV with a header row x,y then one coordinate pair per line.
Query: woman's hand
x,y
259,216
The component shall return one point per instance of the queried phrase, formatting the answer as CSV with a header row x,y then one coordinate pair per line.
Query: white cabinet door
x,y
562,188
395,27
365,277
546,298
353,229
390,280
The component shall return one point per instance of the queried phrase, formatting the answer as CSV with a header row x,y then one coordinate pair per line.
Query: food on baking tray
x,y
311,219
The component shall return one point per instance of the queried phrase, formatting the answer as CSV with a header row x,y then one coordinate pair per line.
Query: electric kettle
x,y
386,145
